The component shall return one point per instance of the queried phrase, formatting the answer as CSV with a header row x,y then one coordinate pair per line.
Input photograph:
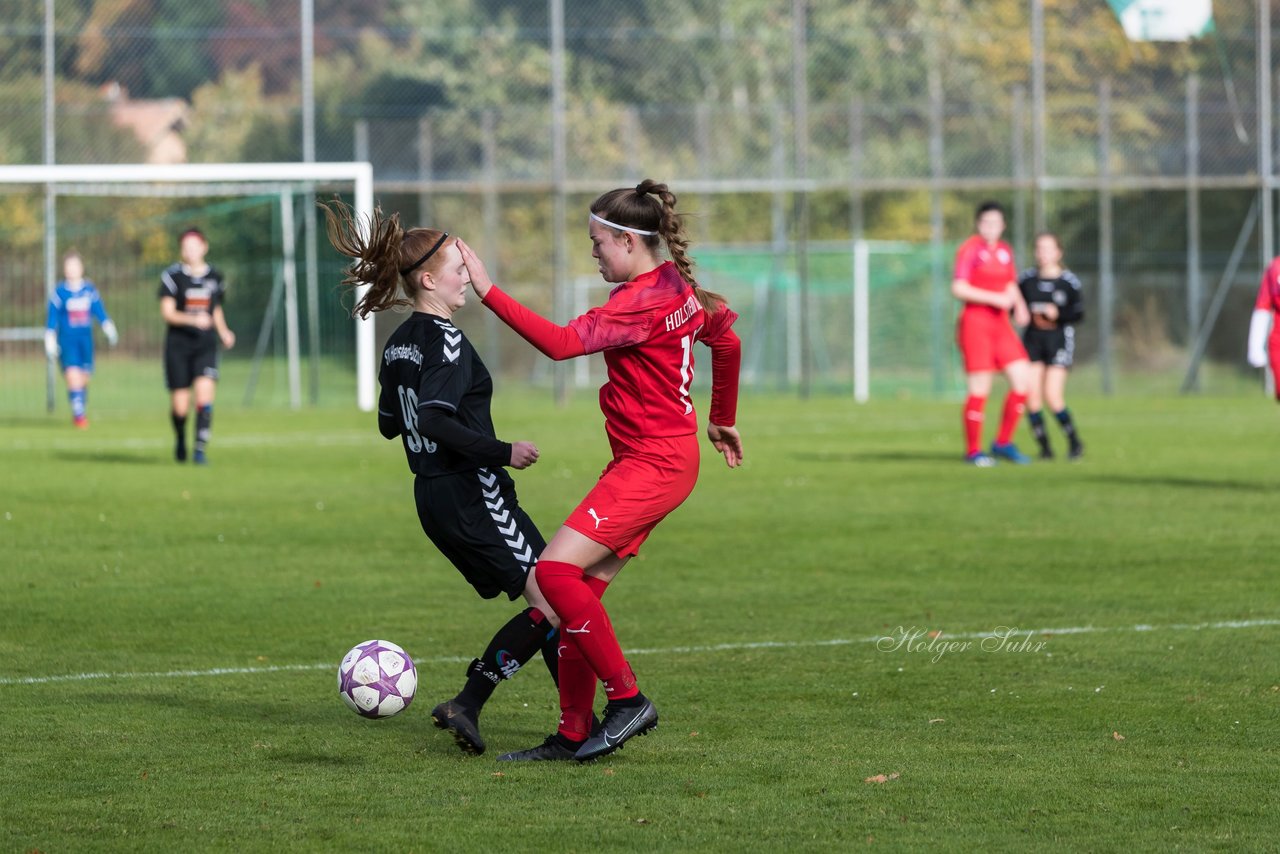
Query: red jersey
x,y
990,268
647,330
1269,291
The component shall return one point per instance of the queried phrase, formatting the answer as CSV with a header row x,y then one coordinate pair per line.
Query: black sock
x,y
180,428
1037,429
204,425
511,648
1068,426
551,655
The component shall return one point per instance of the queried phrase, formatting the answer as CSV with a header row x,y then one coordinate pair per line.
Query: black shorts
x,y
475,521
1053,347
187,357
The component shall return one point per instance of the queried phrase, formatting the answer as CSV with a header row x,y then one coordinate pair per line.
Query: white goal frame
x,y
64,178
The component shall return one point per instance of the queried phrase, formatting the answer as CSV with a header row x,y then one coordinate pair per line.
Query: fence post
x,y
1194,295
861,267
937,167
1106,236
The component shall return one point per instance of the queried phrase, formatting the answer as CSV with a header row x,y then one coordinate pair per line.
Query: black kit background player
x,y
435,396
1056,302
191,294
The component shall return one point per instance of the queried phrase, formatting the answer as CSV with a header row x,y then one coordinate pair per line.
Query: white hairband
x,y
604,221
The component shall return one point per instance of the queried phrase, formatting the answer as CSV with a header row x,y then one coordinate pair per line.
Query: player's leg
x,y
1055,388
1011,358
206,383
1035,409
577,684
979,365
979,388
477,523
76,395
179,405
178,377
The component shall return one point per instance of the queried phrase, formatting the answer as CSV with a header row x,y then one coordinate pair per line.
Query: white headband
x,y
604,221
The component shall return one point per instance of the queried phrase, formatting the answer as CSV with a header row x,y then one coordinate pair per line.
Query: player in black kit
x,y
191,294
1052,293
435,397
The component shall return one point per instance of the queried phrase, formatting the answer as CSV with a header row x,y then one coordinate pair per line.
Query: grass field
x,y
171,634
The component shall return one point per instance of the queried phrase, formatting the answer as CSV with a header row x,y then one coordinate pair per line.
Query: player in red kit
x,y
647,330
986,281
1264,349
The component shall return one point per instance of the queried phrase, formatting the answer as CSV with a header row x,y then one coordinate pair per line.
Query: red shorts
x,y
987,341
645,480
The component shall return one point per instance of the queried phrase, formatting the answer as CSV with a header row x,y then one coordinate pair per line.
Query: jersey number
x,y
409,411
686,369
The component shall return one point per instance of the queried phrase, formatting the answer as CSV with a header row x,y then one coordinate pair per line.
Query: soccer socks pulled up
x,y
204,426
577,681
1068,426
577,693
973,407
584,621
1036,419
1013,406
77,398
180,436
510,649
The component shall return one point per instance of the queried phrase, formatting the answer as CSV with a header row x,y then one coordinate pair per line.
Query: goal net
x,y
296,341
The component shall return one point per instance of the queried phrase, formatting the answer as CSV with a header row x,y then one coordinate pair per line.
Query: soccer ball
x,y
377,679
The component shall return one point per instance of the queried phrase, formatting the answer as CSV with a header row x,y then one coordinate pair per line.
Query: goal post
x,y
220,179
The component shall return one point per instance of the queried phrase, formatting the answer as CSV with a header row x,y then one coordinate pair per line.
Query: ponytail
x,y
651,207
384,260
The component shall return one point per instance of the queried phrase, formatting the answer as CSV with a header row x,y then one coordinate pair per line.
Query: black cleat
x,y
180,452
1077,451
462,724
555,748
1046,453
620,724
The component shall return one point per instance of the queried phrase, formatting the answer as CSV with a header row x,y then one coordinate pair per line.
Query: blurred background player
x,y
646,330
68,334
435,396
986,282
1264,349
1052,294
191,295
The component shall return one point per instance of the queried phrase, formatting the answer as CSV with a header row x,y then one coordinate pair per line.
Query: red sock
x,y
577,692
973,407
577,681
584,621
1013,405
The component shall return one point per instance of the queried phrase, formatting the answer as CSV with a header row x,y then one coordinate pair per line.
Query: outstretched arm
x,y
552,340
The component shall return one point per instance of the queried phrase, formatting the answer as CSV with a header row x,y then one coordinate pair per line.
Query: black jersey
x,y
435,396
193,295
1064,292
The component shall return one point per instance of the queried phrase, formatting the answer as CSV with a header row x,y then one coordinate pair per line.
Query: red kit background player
x,y
646,330
1264,350
986,282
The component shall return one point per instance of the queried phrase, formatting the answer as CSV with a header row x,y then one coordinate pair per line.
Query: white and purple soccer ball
x,y
377,679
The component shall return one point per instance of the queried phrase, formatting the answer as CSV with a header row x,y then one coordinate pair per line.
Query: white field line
x,y
667,650
229,440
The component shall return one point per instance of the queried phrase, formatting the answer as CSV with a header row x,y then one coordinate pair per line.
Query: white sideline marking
x,y
228,440
666,650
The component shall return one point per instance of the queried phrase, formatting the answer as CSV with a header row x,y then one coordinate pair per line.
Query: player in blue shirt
x,y
69,332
